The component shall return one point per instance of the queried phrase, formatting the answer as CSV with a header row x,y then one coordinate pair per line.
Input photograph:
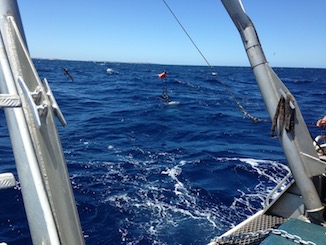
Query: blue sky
x,y
292,32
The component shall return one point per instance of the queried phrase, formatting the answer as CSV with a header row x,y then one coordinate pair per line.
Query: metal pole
x,y
47,194
270,85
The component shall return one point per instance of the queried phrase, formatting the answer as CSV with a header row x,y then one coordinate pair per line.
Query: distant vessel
x,y
298,213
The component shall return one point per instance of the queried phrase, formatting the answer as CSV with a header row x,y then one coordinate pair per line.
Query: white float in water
x,y
111,71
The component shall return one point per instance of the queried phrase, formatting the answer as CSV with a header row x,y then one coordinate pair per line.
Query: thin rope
x,y
240,107
185,31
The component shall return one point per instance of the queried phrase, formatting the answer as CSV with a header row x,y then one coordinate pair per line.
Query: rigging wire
x,y
185,31
240,107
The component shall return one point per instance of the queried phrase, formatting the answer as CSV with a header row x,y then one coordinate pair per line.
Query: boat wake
x,y
165,199
269,174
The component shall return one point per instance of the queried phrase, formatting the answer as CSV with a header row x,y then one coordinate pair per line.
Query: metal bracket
x,y
34,97
33,107
54,103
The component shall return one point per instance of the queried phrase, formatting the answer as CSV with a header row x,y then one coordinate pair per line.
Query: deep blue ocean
x,y
145,172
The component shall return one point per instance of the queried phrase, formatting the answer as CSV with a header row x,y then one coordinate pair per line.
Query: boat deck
x,y
298,231
253,231
270,230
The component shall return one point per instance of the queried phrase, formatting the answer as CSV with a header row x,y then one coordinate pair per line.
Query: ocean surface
x,y
147,172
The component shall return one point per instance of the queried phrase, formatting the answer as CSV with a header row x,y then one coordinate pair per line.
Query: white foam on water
x,y
179,188
269,174
173,102
162,207
159,197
